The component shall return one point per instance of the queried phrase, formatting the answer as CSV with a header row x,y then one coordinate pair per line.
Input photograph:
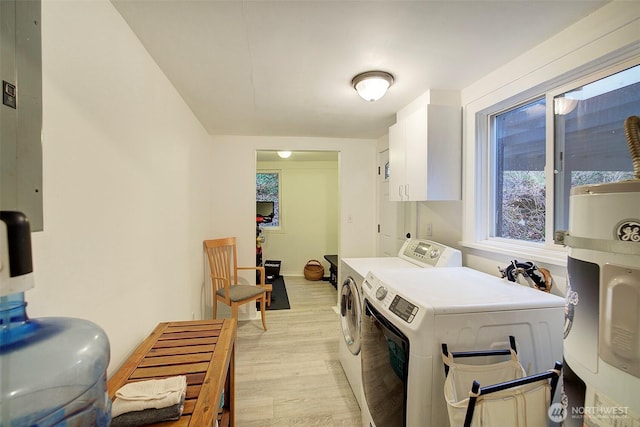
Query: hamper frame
x,y
476,391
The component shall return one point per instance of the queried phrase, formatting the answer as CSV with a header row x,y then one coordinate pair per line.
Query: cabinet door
x,y
443,167
397,163
416,155
433,153
425,155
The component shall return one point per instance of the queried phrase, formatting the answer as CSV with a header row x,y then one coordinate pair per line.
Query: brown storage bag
x,y
313,270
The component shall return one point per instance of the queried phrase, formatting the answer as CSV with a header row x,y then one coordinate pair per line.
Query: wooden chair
x,y
223,266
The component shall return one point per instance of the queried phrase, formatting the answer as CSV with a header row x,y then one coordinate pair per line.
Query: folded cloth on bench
x,y
149,416
149,394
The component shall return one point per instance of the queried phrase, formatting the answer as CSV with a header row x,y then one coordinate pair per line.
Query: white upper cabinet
x,y
425,155
397,163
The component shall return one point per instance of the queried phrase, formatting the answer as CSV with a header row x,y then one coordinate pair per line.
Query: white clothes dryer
x,y
408,314
415,253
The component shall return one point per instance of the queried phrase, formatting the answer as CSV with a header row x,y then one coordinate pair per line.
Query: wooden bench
x,y
333,269
203,351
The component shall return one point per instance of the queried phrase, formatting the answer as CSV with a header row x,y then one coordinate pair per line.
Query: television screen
x,y
264,210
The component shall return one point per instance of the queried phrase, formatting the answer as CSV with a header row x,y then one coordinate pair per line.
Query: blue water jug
x,y
52,370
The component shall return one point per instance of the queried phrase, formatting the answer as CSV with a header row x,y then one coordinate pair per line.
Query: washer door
x,y
385,369
350,314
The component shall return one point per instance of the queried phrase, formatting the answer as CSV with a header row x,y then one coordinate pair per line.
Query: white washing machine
x,y
415,253
408,314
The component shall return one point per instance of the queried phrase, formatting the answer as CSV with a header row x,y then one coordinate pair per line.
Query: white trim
x,y
554,255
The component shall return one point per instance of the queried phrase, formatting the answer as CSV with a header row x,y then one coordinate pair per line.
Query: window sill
x,y
554,256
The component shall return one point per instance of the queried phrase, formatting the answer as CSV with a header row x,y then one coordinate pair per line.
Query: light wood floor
x,y
291,374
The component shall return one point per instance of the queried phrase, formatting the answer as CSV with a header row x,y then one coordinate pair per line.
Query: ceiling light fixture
x,y
284,154
372,85
563,106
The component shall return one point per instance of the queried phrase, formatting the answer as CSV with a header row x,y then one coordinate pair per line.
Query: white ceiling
x,y
275,67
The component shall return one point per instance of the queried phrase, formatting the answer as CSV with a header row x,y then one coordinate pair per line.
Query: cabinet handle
x,y
400,191
406,191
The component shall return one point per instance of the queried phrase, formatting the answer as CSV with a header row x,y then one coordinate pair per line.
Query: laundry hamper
x,y
313,270
508,396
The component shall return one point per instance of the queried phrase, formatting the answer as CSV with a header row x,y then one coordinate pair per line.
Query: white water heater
x,y
602,323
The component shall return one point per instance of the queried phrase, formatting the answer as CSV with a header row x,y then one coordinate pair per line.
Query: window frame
x,y
279,227
491,173
480,238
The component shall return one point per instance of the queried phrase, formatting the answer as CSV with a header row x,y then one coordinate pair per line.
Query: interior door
x,y
393,221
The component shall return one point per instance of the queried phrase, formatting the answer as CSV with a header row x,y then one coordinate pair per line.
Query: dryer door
x,y
350,314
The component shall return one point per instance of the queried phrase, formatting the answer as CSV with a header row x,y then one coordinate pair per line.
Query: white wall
x,y
127,182
308,214
445,220
604,37
234,182
133,184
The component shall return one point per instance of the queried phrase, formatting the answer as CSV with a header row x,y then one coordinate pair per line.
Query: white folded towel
x,y
141,395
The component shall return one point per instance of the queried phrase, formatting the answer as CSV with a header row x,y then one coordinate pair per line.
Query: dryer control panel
x,y
426,253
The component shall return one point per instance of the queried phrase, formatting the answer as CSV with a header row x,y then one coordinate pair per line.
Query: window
x,y
590,143
268,198
529,199
519,183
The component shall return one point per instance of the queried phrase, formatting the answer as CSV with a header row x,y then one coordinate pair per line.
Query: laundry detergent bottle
x,y
52,370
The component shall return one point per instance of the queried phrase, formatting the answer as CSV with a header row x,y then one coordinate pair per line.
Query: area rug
x,y
279,297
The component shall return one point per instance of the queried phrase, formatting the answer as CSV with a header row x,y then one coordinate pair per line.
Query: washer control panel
x,y
389,300
381,292
403,309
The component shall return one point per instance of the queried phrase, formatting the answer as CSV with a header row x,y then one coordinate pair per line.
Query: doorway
x,y
307,226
